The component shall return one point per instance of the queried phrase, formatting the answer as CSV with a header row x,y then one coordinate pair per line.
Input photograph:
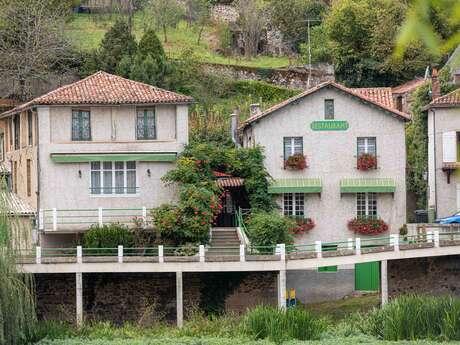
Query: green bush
x,y
414,317
269,228
108,236
296,323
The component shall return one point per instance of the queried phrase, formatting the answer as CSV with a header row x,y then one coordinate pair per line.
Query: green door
x,y
367,276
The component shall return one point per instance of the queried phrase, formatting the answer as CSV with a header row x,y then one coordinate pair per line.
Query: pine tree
x,y
124,66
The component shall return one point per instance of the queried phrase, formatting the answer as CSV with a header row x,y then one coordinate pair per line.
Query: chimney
x,y
254,109
435,86
234,128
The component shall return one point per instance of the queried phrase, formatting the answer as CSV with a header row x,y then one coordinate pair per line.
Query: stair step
x,y
224,242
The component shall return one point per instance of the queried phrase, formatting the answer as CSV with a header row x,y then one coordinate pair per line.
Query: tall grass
x,y
414,317
296,323
17,302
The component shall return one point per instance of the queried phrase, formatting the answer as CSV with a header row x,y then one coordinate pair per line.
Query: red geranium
x,y
366,161
303,225
296,162
367,226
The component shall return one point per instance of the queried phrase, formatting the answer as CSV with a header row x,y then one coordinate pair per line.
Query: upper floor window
x,y
292,145
81,125
366,205
329,109
30,127
145,124
113,178
293,205
17,131
367,145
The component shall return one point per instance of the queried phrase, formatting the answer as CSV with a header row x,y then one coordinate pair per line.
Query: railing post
x,y
54,219
282,251
38,255
318,249
394,240
358,246
436,238
429,236
201,252
100,216
350,244
120,254
41,223
144,216
79,254
242,253
161,258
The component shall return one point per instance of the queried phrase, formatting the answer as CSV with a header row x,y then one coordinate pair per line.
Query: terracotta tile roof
x,y
409,86
103,88
16,205
227,182
220,174
381,95
364,95
450,99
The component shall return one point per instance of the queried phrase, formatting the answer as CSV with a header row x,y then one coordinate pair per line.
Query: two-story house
x,y
443,121
332,127
93,152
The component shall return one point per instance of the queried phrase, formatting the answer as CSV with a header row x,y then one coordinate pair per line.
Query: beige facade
x,y
332,156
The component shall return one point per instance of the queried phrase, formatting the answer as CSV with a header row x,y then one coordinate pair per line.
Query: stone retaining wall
x,y
146,298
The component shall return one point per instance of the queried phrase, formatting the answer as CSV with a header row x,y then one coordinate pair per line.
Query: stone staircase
x,y
224,242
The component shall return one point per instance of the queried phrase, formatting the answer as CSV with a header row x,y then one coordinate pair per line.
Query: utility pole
x,y
309,21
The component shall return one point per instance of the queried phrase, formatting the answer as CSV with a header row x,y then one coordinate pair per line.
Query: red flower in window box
x,y
296,162
367,226
366,161
304,225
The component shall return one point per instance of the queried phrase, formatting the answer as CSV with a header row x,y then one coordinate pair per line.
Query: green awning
x,y
295,185
369,185
106,157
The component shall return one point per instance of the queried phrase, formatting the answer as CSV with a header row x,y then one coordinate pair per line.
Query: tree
x,y
252,22
164,14
32,42
117,43
198,14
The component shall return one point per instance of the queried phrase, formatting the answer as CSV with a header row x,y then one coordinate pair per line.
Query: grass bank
x,y
87,30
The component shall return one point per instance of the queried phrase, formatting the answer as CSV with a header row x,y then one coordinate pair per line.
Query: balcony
x,y
78,220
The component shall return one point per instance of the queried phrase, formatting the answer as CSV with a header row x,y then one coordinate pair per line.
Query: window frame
x,y
367,205
80,127
17,132
113,170
294,211
293,146
30,127
329,115
29,177
366,146
145,123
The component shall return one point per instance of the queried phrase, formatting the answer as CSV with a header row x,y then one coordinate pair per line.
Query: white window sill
x,y
115,195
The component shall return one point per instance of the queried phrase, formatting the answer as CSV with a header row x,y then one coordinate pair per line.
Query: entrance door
x,y
367,276
226,217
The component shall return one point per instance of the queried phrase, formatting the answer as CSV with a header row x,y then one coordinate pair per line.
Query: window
x,y
113,178
30,127
366,205
329,109
367,145
2,147
10,133
15,176
292,145
81,125
293,205
17,131
145,124
29,178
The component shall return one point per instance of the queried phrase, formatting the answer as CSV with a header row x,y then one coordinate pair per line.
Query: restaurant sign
x,y
329,125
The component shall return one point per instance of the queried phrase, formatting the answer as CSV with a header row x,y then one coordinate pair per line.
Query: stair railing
x,y
241,226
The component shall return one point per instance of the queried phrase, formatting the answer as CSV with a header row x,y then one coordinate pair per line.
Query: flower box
x,y
366,162
296,162
367,226
304,225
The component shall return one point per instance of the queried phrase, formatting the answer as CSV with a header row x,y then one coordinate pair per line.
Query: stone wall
x,y
295,77
433,276
146,298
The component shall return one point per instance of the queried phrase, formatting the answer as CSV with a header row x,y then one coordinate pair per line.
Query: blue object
x,y
454,219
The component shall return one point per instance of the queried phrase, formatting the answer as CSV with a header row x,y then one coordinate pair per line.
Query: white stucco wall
x,y
331,156
441,194
113,130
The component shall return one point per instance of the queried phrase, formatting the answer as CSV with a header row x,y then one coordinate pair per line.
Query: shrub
x,y
108,236
296,323
269,228
367,226
366,162
414,317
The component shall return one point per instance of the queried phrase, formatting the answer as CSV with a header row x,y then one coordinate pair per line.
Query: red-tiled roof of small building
x,y
229,182
103,88
368,96
408,86
381,95
450,99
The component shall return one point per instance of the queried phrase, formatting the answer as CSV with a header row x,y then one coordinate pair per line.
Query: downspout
x,y
435,171
37,134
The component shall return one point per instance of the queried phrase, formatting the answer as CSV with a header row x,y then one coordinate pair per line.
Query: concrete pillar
x,y
179,299
79,294
282,289
383,282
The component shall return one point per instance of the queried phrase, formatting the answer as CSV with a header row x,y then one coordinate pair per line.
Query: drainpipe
x,y
435,172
